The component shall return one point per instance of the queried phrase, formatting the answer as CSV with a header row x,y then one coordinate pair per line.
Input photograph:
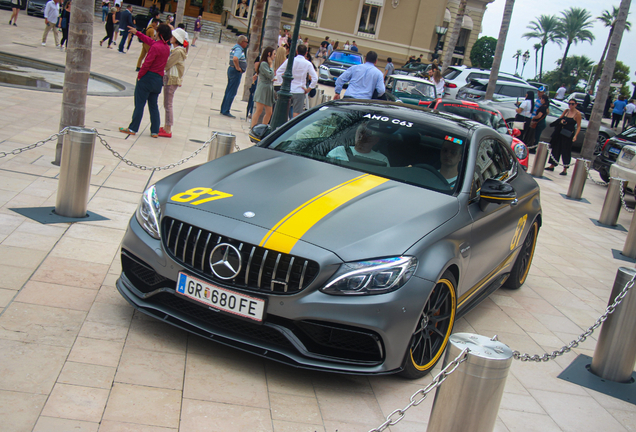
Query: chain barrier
x,y
575,343
589,175
554,162
622,193
35,145
154,168
419,396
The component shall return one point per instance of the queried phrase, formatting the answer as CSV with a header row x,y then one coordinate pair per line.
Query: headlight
x,y
323,67
371,277
149,212
521,150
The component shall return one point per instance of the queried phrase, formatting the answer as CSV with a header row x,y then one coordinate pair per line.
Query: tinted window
x,y
477,75
346,58
380,143
407,88
512,91
477,86
481,115
451,74
493,161
629,134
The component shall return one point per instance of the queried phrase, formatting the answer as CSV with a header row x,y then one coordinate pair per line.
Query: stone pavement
x,y
75,356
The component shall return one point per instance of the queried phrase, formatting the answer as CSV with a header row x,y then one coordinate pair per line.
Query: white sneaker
x,y
43,43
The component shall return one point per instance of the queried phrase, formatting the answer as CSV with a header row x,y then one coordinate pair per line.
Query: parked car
x,y
484,114
610,151
338,62
411,90
625,167
458,76
36,7
476,90
416,69
337,243
507,108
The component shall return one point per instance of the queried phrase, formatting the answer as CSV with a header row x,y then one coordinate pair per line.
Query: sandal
x,y
126,131
550,168
101,43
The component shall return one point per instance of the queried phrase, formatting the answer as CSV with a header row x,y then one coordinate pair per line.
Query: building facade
x,y
392,28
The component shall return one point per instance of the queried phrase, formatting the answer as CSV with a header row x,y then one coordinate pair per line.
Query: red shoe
x,y
161,129
163,133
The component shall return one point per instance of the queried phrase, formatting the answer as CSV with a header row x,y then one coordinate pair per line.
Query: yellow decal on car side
x,y
517,237
194,193
284,235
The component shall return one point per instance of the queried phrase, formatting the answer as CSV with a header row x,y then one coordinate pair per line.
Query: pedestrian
x,y
117,19
197,31
364,80
436,78
301,69
170,21
347,46
419,59
65,19
15,9
629,114
539,118
150,32
236,68
354,47
264,95
110,28
566,130
321,54
336,45
560,93
186,42
306,42
124,25
587,100
51,16
524,114
388,69
172,79
329,46
150,80
105,10
617,111
283,38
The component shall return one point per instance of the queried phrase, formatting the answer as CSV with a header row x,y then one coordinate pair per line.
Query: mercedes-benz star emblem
x,y
225,261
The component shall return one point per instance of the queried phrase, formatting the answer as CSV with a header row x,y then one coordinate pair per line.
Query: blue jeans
x,y
147,89
233,81
124,36
104,13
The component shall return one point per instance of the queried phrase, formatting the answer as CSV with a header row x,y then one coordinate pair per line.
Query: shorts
x,y
298,102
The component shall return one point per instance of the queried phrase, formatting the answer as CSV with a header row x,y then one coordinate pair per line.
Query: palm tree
x,y
255,44
591,135
501,44
573,28
272,23
609,20
516,56
454,36
536,47
545,29
78,68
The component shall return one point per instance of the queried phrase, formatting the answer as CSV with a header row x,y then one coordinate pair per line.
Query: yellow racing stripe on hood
x,y
284,235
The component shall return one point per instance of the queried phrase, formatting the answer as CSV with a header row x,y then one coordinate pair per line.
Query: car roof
x,y
514,83
411,78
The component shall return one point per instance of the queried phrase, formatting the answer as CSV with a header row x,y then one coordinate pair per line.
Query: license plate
x,y
627,156
614,150
220,298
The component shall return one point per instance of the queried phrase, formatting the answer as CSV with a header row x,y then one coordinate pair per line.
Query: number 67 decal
x,y
193,194
517,237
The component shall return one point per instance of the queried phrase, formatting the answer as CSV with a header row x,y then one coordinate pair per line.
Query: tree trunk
x,y
254,48
501,43
565,55
180,12
449,47
78,68
272,23
541,68
599,67
591,135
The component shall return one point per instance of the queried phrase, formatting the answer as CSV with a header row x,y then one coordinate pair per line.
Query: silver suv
x,y
476,90
458,76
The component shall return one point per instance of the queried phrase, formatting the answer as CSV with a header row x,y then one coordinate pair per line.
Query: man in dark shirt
x,y
237,66
150,79
587,99
125,22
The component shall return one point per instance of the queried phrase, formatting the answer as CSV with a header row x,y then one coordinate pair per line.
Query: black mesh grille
x,y
141,275
328,339
262,270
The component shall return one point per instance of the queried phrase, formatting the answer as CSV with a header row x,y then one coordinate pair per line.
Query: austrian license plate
x,y
627,156
220,298
614,150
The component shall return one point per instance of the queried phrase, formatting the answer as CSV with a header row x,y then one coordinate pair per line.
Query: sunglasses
x,y
571,103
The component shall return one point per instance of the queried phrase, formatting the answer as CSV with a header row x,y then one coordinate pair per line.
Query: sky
x,y
526,11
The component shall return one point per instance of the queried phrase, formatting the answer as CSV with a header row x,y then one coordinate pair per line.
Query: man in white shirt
x,y
51,15
560,93
629,114
362,151
363,79
300,70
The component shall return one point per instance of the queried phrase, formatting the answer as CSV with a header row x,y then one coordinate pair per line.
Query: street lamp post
x,y
441,31
284,95
526,57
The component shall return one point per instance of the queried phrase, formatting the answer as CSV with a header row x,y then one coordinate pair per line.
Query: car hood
x,y
295,199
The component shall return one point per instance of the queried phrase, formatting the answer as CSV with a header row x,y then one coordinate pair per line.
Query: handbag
x,y
518,125
533,124
566,133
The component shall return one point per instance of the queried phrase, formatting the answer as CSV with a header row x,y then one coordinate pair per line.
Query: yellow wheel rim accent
x,y
534,244
451,321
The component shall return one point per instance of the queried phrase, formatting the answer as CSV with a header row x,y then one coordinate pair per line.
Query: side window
x,y
493,161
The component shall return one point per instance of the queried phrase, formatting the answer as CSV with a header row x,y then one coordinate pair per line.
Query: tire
x,y
600,142
433,329
522,265
604,175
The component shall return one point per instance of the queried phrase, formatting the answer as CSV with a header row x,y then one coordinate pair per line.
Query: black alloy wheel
x,y
520,270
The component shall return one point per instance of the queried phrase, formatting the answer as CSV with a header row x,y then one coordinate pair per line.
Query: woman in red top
x,y
150,80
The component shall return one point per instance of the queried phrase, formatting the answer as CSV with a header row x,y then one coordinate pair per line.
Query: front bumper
x,y
308,329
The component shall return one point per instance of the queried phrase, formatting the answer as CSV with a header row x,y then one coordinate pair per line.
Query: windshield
x,y
408,88
380,142
481,115
347,58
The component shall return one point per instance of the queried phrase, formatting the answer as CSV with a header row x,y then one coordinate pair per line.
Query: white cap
x,y
179,34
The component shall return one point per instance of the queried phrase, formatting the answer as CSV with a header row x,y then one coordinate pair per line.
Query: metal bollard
x,y
615,352
220,34
629,249
540,159
612,204
221,146
578,180
469,398
75,172
325,98
317,99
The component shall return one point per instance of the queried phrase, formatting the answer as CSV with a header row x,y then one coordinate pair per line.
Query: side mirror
x,y
258,132
516,133
496,192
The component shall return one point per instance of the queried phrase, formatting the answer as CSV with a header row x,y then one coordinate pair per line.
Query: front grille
x,y
336,72
143,277
262,270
